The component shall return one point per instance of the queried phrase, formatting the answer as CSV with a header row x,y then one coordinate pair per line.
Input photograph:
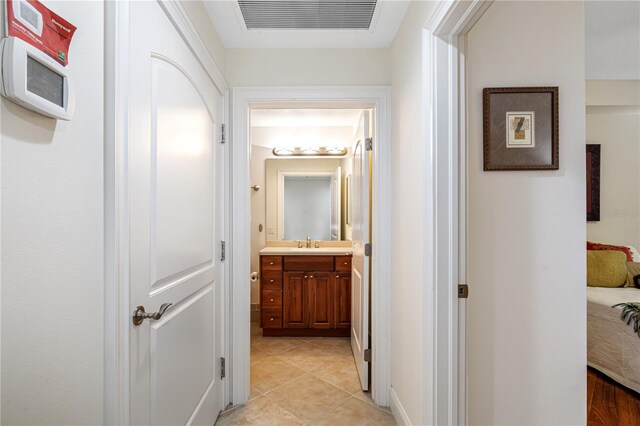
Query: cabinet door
x,y
294,297
343,300
321,301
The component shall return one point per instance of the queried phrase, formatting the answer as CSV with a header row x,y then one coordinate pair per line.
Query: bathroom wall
x,y
526,321
52,245
258,213
613,121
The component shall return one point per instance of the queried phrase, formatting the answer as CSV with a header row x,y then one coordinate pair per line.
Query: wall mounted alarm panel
x,y
34,80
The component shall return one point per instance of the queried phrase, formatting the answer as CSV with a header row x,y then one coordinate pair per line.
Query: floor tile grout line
x,y
332,384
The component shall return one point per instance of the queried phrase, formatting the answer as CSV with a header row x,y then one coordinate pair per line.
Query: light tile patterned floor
x,y
304,381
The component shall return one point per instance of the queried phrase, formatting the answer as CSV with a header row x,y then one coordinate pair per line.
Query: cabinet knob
x,y
346,263
271,319
305,276
310,276
337,276
271,263
271,281
270,300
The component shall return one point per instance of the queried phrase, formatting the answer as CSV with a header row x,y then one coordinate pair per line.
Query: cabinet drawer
x,y
308,263
271,263
343,263
271,319
271,299
271,281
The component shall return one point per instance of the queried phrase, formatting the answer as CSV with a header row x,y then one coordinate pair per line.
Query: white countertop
x,y
289,251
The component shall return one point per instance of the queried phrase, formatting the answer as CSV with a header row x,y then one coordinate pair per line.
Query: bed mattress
x,y
612,346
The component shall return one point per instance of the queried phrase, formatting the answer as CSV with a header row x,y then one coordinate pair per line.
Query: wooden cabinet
x,y
295,295
305,295
321,300
343,300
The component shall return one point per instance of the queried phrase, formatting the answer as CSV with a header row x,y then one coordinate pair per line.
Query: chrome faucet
x,y
308,241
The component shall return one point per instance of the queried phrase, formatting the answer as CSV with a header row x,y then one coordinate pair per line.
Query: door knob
x,y
140,315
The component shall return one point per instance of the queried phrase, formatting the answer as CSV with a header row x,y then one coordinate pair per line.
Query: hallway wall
x,y
52,245
526,335
307,67
409,382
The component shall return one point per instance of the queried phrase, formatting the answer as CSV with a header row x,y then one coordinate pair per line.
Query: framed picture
x,y
593,183
520,128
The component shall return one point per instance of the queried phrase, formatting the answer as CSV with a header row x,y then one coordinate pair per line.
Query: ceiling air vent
x,y
307,14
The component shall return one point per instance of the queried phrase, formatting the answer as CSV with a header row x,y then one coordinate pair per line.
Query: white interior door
x,y
175,205
360,216
336,204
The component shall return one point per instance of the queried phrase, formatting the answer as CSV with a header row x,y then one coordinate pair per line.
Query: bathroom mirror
x,y
306,197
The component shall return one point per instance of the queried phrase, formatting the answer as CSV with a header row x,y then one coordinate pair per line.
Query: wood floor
x,y
610,404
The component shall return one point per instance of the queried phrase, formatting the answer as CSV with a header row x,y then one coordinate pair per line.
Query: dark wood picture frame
x,y
534,146
593,182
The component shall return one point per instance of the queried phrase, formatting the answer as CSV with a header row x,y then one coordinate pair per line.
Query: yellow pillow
x,y
633,269
606,268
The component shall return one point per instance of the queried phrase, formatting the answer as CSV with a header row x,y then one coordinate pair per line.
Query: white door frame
x,y
375,97
444,37
116,232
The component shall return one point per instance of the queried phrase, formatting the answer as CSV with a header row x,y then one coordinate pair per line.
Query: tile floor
x,y
304,381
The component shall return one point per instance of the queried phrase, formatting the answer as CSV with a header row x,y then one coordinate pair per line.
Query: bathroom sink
x,y
283,251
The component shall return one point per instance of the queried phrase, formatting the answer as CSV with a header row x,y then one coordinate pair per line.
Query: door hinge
x,y
367,355
223,368
223,250
223,133
463,291
367,249
368,144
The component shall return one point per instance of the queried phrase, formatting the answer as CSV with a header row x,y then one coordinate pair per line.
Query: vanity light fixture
x,y
333,151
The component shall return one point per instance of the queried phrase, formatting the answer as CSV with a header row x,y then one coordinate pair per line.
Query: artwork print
x,y
520,130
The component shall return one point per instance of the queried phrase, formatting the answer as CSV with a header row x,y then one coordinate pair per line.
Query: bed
x,y
612,346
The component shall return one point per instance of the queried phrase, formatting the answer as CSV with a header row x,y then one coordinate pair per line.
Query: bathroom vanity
x,y
305,292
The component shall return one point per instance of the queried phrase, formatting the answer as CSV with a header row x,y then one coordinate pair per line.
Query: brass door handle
x,y
139,315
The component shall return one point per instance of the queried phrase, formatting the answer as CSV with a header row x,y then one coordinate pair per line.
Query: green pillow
x,y
633,270
606,268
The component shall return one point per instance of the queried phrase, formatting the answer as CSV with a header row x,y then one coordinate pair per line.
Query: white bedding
x,y
612,346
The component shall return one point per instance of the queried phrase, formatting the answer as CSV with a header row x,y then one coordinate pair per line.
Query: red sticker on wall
x,y
33,22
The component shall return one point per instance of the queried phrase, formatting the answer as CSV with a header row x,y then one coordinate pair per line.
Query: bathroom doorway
x,y
308,298
310,220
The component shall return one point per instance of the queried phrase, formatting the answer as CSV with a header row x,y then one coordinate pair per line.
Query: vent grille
x,y
307,14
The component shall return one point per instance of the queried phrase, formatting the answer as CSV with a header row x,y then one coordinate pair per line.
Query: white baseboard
x,y
397,410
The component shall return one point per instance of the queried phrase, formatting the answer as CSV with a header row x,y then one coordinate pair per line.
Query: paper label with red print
x,y
33,22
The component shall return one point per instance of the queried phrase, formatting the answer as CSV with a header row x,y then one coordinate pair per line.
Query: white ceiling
x,y
227,19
